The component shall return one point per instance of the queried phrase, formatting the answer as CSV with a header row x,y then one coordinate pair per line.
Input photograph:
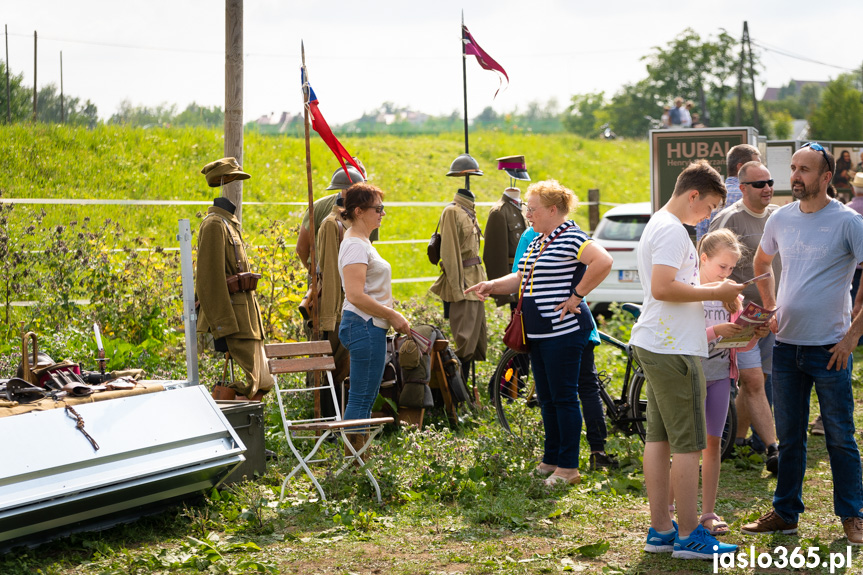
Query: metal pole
x,y
190,316
62,112
752,77
8,103
739,116
464,84
34,75
234,97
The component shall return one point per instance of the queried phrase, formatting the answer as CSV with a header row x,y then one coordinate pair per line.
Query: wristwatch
x,y
576,294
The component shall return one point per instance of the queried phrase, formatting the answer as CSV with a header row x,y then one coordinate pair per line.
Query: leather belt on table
x,y
471,262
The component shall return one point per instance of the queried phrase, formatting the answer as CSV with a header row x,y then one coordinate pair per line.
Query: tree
x,y
487,116
129,115
21,97
701,70
633,110
195,115
840,113
581,115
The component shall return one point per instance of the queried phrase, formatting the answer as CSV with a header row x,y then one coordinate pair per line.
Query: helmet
x,y
340,180
464,165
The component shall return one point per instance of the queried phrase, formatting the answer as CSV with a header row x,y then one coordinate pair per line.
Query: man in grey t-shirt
x,y
747,218
820,241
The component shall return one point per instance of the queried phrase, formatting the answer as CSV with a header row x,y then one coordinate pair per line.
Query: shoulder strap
x,y
236,251
437,228
472,217
551,239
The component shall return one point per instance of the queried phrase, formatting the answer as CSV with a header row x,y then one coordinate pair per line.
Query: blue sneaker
x,y
700,545
659,543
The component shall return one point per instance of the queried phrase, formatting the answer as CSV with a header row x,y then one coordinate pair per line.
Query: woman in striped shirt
x,y
560,267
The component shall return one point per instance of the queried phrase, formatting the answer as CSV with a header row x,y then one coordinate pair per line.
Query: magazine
x,y
753,316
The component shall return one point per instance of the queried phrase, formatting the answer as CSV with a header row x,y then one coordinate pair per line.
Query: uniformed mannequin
x,y
461,266
233,319
504,227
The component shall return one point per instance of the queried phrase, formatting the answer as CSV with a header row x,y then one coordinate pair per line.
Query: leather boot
x,y
221,392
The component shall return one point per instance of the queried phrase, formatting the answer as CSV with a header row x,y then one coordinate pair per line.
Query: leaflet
x,y
752,317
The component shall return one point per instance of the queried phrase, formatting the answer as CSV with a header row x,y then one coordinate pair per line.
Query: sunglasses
x,y
818,148
759,184
378,209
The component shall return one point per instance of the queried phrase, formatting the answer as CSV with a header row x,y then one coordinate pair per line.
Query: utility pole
x,y
62,108
746,46
8,103
234,96
34,75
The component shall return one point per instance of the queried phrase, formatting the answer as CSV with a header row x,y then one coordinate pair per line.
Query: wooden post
x,y
34,76
62,108
234,96
8,103
593,209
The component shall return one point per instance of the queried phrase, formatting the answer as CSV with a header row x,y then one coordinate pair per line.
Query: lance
x,y
313,263
464,85
313,260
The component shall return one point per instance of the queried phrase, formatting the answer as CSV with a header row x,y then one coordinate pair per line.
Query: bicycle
x,y
514,394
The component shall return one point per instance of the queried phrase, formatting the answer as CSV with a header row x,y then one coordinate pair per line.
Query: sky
x,y
362,53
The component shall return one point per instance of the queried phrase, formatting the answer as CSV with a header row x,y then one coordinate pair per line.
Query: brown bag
x,y
514,337
242,282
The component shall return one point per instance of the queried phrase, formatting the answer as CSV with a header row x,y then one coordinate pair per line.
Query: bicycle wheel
x,y
729,432
638,403
638,400
514,394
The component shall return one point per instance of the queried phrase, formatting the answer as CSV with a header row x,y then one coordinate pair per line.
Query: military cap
x,y
223,171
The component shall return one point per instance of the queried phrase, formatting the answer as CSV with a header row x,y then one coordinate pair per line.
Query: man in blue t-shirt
x,y
820,242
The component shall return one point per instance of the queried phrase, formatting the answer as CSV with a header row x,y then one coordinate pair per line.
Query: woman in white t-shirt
x,y
368,311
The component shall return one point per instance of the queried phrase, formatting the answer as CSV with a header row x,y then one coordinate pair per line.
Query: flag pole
x,y
313,263
464,84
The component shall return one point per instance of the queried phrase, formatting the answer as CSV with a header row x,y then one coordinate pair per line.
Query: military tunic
x,y
236,317
503,230
461,267
329,240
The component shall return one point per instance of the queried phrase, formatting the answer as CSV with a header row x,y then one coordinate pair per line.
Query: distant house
x,y
793,88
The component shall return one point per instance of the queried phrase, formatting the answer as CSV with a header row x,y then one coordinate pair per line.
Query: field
x,y
164,164
455,501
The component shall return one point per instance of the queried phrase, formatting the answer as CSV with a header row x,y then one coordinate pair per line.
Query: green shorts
x,y
676,390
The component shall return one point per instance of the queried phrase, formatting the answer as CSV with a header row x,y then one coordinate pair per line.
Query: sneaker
x,y
602,460
659,543
853,530
700,545
772,462
817,426
770,522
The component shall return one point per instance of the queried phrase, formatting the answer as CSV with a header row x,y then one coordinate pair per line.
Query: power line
x,y
354,57
782,52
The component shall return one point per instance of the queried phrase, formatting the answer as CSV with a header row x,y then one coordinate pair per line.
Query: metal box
x,y
247,419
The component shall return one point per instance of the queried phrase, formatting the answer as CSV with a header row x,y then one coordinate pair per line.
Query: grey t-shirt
x,y
819,253
749,227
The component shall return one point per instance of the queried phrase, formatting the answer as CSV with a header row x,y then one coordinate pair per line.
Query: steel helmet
x,y
464,165
340,180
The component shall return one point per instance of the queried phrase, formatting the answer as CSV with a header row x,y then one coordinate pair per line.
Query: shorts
x,y
759,356
676,390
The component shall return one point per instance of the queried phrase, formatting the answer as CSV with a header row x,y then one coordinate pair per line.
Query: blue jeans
x,y
796,368
556,364
591,402
367,345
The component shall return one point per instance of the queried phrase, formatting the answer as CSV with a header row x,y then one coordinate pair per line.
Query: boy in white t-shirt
x,y
668,342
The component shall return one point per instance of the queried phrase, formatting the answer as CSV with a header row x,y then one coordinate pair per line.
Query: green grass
x,y
164,164
455,501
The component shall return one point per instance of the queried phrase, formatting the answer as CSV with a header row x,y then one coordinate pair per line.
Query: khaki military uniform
x,y
503,230
236,317
461,267
329,240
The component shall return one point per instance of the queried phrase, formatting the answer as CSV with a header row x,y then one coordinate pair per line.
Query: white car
x,y
618,232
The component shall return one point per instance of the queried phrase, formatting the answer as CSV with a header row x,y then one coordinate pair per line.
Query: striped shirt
x,y
552,280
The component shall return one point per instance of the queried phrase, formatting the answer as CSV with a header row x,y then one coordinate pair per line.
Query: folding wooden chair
x,y
316,356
